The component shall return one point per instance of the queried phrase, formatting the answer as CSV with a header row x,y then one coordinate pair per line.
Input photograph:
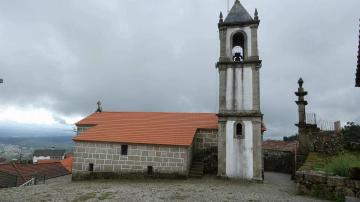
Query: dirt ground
x,y
277,187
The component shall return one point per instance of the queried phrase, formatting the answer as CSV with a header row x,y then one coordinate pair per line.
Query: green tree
x,y
351,132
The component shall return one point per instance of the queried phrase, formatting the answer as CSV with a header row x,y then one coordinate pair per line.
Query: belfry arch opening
x,y
238,47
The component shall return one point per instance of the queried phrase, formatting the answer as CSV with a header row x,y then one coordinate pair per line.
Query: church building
x,y
227,143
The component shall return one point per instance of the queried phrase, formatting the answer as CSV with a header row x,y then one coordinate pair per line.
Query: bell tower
x,y
240,118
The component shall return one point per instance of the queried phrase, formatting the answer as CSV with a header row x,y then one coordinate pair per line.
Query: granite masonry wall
x,y
329,187
205,139
206,148
106,157
279,161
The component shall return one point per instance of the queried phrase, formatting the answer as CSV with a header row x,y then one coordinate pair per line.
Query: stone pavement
x,y
276,187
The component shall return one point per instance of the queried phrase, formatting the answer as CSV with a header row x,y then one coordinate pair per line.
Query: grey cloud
x,y
160,56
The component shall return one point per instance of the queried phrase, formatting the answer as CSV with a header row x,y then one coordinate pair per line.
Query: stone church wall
x,y
205,139
107,158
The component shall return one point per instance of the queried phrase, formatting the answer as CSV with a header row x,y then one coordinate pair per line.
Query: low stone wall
x,y
279,161
106,158
327,142
329,187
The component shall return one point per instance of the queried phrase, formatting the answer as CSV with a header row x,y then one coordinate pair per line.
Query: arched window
x,y
238,47
239,131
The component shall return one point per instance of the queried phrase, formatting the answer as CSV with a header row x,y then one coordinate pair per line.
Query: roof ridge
x,y
157,112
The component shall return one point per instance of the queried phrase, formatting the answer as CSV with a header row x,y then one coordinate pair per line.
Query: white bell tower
x,y
240,118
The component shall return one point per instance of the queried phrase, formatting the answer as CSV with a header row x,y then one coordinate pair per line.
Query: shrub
x,y
340,164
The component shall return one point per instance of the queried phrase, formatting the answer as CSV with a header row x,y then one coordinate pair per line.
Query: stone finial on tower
x,y
256,14
301,102
221,18
357,80
99,109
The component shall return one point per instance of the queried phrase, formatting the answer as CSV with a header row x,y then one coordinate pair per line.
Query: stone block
x,y
144,153
336,181
151,153
166,149
348,192
108,167
99,161
130,162
157,159
175,149
317,178
134,152
134,158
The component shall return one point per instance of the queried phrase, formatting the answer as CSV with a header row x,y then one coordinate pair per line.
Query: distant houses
x,y
48,154
48,164
16,174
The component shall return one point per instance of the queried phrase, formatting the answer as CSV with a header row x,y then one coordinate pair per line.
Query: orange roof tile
x,y
67,162
279,145
146,127
27,171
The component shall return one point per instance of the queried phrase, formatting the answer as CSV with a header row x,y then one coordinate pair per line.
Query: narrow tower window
x,y
239,132
238,47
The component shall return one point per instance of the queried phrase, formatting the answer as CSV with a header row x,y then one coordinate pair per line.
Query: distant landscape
x,y
19,141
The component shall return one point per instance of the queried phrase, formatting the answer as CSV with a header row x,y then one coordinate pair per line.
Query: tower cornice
x,y
231,64
238,24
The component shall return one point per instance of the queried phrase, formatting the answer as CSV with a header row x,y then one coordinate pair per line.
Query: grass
x,y
340,165
332,165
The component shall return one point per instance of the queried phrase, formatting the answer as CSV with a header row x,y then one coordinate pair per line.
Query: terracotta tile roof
x,y
280,145
67,162
26,171
146,127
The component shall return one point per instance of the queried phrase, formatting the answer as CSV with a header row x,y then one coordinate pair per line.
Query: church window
x,y
150,170
124,149
239,130
238,47
91,167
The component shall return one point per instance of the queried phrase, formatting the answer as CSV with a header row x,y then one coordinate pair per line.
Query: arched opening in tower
x,y
238,47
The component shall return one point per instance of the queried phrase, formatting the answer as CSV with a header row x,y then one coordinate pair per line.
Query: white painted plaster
x,y
239,152
36,158
248,89
229,89
244,89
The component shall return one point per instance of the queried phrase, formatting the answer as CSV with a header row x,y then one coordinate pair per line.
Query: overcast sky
x,y
58,58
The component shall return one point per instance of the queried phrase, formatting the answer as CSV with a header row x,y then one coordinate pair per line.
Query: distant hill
x,y
40,142
11,129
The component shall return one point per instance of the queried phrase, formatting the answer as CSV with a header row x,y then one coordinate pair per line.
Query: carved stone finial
x,y
300,82
99,109
256,15
357,79
221,19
